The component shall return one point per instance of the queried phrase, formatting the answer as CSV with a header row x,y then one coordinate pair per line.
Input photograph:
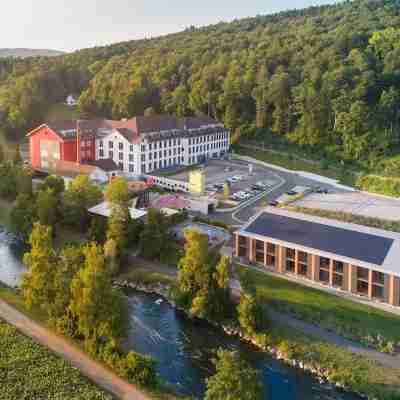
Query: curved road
x,y
100,375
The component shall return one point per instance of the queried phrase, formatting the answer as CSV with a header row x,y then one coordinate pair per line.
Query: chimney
x,y
78,143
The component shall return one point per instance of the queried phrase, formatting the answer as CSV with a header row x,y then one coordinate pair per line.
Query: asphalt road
x,y
285,182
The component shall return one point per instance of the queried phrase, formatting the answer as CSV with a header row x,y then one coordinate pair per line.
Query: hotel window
x,y
260,251
324,269
101,144
338,269
131,168
110,144
378,284
143,147
121,156
155,164
150,166
150,146
290,260
120,146
143,157
271,251
121,166
131,148
111,154
362,281
150,156
143,168
155,155
302,263
101,153
131,157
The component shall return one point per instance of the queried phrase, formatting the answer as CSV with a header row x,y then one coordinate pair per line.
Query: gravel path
x,y
101,376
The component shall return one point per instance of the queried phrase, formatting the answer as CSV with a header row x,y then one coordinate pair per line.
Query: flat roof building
x,y
361,260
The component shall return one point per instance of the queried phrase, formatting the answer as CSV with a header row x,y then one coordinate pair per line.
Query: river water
x,y
184,348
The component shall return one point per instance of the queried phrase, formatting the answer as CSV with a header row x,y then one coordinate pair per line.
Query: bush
x,y
389,186
135,367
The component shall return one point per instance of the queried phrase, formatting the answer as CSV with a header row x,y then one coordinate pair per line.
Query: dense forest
x,y
325,78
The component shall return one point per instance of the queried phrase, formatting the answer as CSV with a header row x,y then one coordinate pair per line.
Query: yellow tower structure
x,y
197,182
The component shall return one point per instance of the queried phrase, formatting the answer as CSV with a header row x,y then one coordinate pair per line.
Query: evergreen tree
x,y
23,216
234,379
96,306
37,283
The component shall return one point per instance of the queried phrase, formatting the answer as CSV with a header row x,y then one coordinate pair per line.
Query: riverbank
x,y
12,298
328,362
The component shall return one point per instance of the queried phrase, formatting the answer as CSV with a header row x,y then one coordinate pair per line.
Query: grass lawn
x,y
296,164
61,111
333,312
32,372
355,371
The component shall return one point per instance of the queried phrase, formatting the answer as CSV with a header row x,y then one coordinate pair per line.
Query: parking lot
x,y
243,183
359,203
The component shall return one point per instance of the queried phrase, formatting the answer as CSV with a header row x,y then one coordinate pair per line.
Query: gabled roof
x,y
131,129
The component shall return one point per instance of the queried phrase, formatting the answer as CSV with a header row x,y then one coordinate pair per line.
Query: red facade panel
x,y
42,134
68,150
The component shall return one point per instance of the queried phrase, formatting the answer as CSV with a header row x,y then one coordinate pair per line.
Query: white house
x,y
71,100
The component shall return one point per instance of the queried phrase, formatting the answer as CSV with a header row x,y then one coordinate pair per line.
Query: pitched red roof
x,y
131,129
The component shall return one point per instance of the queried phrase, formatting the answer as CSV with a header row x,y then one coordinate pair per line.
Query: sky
x,y
73,24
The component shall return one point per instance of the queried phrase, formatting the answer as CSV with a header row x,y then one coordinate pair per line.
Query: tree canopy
x,y
324,77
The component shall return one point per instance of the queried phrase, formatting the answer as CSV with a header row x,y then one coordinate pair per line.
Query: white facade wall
x,y
116,147
148,156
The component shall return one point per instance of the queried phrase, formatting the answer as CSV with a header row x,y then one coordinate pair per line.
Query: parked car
x,y
273,203
321,190
291,193
257,187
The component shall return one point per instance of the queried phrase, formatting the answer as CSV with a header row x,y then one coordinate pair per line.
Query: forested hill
x,y
23,53
324,77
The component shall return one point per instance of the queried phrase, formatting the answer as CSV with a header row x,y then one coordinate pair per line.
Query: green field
x,y
32,372
333,312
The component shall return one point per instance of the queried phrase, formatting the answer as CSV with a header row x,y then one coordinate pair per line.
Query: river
x,y
184,348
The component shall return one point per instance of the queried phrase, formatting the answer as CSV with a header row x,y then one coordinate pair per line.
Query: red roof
x,y
131,129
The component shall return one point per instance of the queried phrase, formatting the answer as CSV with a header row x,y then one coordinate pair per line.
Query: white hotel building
x,y
140,145
158,142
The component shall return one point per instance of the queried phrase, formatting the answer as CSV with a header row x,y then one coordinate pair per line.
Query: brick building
x,y
139,145
353,258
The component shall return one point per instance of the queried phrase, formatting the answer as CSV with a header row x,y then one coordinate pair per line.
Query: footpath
x,y
93,370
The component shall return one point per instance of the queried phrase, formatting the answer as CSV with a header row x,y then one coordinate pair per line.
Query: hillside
x,y
325,79
23,53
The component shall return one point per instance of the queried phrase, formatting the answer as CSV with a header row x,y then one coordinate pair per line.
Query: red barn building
x,y
62,140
